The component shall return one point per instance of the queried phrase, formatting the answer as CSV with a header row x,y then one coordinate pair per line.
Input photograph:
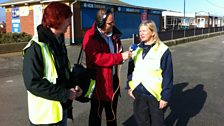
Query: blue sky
x,y
2,12
214,7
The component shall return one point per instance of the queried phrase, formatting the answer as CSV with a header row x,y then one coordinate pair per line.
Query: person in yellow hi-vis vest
x,y
150,77
46,70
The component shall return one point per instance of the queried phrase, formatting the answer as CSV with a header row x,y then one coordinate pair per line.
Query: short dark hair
x,y
101,16
55,14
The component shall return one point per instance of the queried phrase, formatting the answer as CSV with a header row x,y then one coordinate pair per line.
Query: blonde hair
x,y
152,27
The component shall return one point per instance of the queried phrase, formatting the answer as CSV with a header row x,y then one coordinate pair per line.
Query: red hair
x,y
55,14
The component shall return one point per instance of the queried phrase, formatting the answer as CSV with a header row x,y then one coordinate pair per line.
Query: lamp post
x,y
184,11
184,8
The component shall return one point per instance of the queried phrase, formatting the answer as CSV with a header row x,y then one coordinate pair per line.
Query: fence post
x,y
202,31
136,39
184,33
172,35
194,31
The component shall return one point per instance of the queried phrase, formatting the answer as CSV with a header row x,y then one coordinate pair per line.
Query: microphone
x,y
136,41
133,47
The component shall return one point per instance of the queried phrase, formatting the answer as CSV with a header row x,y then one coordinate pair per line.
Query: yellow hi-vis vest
x,y
41,110
148,71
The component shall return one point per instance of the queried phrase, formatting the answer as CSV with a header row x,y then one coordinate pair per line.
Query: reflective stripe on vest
x,y
91,89
148,71
41,110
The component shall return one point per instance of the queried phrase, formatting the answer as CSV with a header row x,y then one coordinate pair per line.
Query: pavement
x,y
197,98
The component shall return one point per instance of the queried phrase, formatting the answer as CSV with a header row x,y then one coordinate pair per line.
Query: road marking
x,y
223,42
9,81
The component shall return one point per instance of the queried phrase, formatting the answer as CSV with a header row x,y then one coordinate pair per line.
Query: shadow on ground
x,y
184,105
130,122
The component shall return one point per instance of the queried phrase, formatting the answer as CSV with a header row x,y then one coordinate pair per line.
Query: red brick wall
x,y
26,23
8,20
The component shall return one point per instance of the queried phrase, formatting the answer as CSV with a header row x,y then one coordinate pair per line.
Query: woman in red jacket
x,y
103,51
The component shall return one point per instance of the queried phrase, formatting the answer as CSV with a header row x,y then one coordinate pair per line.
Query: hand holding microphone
x,y
126,55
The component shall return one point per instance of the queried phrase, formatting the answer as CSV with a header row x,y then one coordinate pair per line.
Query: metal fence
x,y
175,34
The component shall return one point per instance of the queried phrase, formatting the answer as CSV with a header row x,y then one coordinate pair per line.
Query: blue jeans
x,y
64,119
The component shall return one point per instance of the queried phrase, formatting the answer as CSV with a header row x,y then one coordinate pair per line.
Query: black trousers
x,y
146,110
96,112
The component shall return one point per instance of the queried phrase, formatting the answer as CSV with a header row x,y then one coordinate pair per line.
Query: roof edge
x,y
98,2
125,5
19,2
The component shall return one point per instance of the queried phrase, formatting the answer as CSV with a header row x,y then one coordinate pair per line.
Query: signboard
x,y
24,11
15,20
155,12
92,5
128,9
144,15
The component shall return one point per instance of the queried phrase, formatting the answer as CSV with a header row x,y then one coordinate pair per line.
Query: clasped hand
x,y
75,92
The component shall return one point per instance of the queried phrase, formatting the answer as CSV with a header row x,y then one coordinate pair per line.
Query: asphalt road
x,y
197,98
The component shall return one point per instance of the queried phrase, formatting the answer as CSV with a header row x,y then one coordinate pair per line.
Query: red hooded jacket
x,y
98,57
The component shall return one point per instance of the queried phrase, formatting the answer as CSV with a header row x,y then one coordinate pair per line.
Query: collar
x,y
142,45
103,35
45,35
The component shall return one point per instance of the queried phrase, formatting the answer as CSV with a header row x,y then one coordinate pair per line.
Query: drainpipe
x,y
73,30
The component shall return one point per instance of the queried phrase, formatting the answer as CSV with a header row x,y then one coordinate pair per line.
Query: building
x,y
25,15
206,20
173,20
